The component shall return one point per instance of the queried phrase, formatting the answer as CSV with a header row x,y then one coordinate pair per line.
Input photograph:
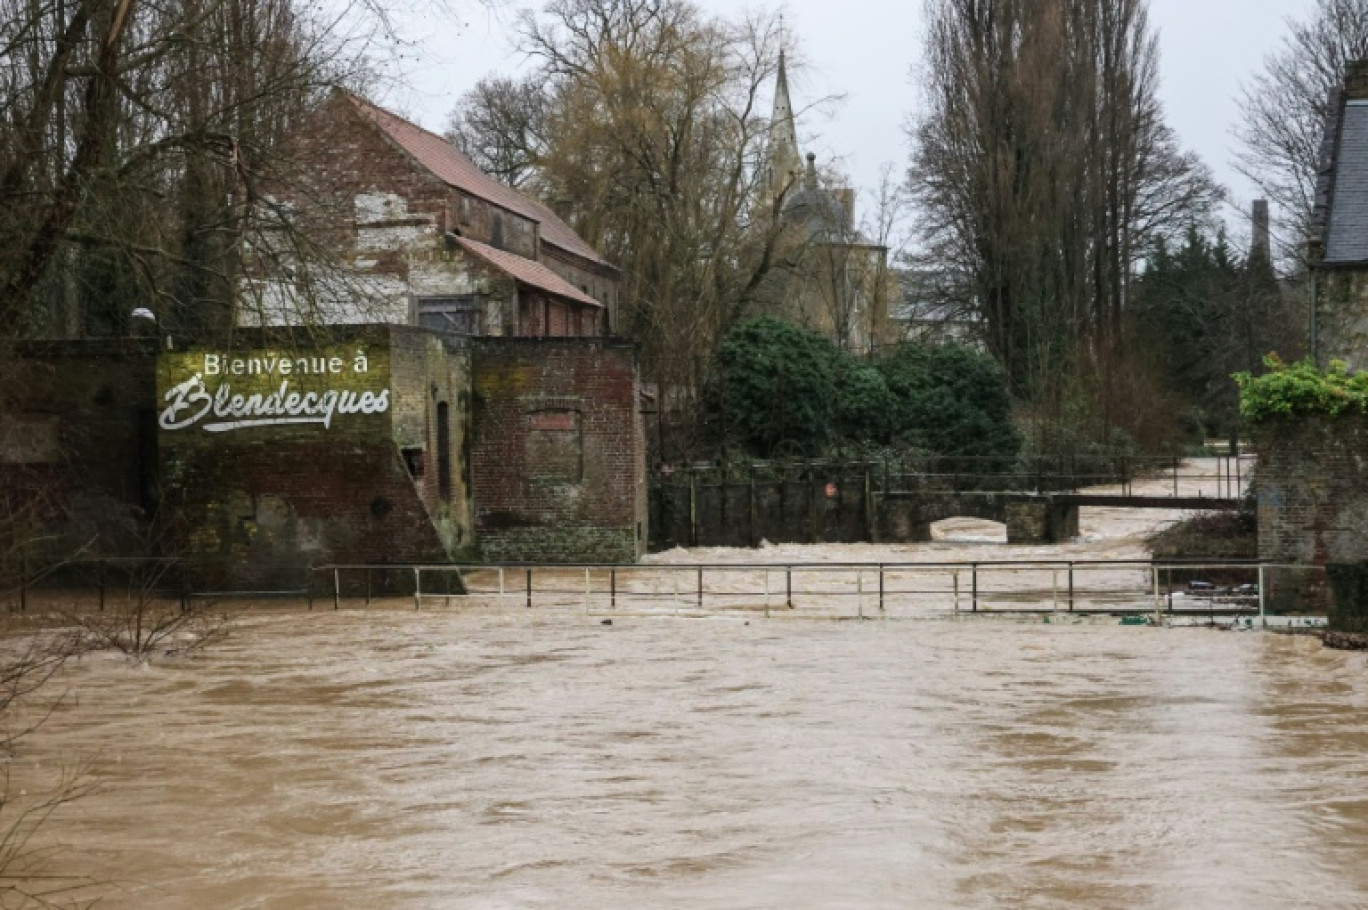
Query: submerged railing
x,y
833,590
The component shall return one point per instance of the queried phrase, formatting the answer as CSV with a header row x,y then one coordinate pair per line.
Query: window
x,y
555,446
458,315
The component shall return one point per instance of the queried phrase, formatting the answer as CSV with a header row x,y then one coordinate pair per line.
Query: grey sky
x,y
867,50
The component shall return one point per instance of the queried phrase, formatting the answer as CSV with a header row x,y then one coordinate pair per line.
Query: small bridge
x,y
1031,518
824,502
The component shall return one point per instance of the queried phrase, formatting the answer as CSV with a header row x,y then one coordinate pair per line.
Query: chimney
x,y
1356,80
1261,244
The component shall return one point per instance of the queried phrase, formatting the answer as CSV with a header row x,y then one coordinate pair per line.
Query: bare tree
x,y
501,125
1284,109
643,127
134,138
1044,169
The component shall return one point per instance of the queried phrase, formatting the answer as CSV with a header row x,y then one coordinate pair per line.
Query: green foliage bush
x,y
780,389
776,386
950,400
1301,390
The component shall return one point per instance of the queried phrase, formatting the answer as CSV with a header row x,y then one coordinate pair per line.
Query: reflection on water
x,y
500,759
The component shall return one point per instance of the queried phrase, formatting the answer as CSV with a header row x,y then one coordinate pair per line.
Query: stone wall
x,y
1342,316
1313,491
78,445
1312,487
558,461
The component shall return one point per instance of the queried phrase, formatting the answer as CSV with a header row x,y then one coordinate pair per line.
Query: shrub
x,y
1301,390
950,400
776,386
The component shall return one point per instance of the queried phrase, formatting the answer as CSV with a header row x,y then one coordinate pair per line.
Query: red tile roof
x,y
447,163
526,271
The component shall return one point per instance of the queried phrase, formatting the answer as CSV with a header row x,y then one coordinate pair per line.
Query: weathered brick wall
x,y
1312,486
1313,492
257,504
78,444
558,460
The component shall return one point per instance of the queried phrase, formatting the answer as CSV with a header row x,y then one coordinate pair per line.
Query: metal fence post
x,y
417,588
788,585
1158,599
881,588
23,579
1263,603
612,588
337,588
973,568
529,587
700,588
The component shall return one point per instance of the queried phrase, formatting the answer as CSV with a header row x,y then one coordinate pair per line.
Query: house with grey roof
x,y
1338,245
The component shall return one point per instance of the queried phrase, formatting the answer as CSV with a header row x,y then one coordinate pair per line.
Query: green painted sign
x,y
224,392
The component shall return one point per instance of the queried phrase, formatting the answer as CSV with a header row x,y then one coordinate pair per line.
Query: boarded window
x,y
555,446
458,315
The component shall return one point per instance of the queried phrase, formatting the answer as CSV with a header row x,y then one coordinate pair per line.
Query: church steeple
x,y
785,164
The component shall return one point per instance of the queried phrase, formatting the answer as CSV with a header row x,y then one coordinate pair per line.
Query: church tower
x,y
785,164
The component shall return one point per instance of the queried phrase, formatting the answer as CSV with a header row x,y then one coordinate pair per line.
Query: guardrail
x,y
829,590
1219,475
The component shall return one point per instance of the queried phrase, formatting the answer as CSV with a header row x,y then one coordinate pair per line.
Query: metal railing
x,y
1163,590
1219,476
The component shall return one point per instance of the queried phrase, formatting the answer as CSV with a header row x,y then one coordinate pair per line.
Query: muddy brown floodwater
x,y
496,757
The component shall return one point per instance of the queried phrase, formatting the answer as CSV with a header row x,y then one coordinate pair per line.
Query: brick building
x,y
418,235
454,396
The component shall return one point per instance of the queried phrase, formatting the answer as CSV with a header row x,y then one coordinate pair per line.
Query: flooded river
x,y
495,757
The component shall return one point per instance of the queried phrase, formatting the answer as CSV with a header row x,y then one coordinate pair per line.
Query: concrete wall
x,y
559,456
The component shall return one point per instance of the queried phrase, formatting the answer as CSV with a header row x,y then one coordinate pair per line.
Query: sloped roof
x,y
447,163
525,271
1346,234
